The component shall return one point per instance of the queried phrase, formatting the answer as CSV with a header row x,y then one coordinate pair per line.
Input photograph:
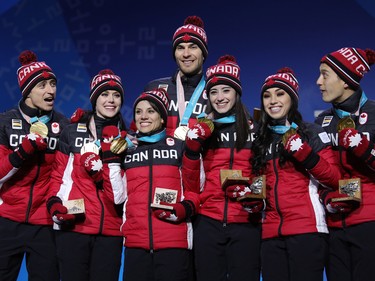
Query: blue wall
x,y
78,38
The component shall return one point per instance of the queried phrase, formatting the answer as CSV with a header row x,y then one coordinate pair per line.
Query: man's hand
x,y
30,144
357,143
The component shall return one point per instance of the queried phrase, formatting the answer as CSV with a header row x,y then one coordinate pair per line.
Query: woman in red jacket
x,y
89,244
295,157
158,241
226,235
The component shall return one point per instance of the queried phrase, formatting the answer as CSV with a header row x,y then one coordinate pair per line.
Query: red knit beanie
x,y
350,64
191,31
32,72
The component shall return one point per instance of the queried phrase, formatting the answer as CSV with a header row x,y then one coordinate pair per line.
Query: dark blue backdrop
x,y
78,38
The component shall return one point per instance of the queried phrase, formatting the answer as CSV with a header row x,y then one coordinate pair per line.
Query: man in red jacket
x,y
28,138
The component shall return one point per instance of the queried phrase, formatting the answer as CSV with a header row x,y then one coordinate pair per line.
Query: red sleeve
x,y
6,168
327,171
192,179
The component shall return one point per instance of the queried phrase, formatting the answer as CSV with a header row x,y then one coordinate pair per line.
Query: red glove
x,y
30,143
301,151
93,165
339,206
253,206
181,211
77,115
59,212
108,135
196,136
357,143
236,191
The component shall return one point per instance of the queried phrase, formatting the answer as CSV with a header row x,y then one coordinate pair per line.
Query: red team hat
x,y
32,72
191,31
350,64
226,71
159,98
105,80
284,79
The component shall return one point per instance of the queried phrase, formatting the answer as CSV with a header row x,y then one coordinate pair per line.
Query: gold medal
x,y
90,147
180,132
345,123
287,134
39,128
208,122
118,145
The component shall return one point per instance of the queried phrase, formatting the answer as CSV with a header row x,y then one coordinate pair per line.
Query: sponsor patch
x,y
81,127
16,124
326,121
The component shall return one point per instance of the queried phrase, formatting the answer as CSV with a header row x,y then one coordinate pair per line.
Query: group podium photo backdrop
x,y
79,38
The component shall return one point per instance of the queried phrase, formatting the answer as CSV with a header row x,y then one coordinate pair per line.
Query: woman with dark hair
x,y
162,194
89,243
295,158
226,236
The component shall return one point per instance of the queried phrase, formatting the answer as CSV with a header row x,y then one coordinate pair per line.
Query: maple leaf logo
x,y
96,165
355,140
112,83
192,134
296,144
186,38
243,192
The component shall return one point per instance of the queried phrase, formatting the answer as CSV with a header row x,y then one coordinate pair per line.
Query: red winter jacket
x,y
70,180
23,190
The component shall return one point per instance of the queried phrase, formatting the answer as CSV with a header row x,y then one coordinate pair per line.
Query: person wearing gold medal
x,y
85,211
162,196
296,157
226,231
29,135
350,124
186,87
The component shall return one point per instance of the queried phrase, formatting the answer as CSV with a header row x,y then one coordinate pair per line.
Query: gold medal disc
x,y
287,134
39,128
345,123
90,147
118,146
180,132
208,122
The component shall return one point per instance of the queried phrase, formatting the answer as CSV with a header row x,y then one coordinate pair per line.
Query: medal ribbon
x,y
223,120
342,113
184,118
153,138
280,129
44,119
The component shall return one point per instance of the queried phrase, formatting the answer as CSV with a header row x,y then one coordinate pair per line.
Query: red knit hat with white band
x,y
32,72
103,81
350,64
226,71
191,31
159,98
284,79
